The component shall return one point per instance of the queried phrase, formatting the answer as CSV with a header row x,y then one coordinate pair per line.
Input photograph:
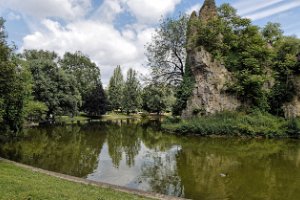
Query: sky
x,y
115,32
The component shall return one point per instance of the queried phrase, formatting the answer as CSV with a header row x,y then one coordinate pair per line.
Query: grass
x,y
84,119
110,116
236,124
19,183
115,116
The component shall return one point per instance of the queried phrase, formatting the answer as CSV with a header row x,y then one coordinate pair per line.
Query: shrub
x,y
293,128
230,123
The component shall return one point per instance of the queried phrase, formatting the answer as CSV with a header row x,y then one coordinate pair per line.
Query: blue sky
x,y
114,32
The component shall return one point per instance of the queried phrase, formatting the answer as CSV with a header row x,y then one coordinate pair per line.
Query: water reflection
x,y
137,155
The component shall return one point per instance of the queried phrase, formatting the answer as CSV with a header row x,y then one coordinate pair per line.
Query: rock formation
x,y
211,77
208,10
292,109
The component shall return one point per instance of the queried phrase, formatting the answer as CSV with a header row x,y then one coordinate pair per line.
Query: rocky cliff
x,y
211,77
292,109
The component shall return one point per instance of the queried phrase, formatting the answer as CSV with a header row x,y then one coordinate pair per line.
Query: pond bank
x,y
254,125
19,181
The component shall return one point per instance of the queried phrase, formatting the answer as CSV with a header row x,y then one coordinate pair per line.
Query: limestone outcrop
x,y
211,77
292,109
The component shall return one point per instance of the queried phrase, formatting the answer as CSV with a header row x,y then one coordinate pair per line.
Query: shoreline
x,y
77,180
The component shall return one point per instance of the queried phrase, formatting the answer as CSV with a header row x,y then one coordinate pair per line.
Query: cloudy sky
x,y
114,32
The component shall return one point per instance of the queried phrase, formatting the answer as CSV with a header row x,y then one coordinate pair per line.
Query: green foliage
x,y
250,54
96,102
51,84
183,92
131,93
253,125
115,89
86,73
286,67
272,32
155,97
35,111
293,127
12,94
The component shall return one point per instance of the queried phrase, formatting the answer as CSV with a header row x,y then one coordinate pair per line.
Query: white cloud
x,y
108,11
65,9
246,7
274,10
101,41
150,11
69,25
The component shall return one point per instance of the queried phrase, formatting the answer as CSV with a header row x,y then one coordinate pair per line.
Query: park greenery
x,y
41,86
255,124
264,63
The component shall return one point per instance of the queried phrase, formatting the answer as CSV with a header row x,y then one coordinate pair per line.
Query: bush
x,y
35,111
293,128
226,123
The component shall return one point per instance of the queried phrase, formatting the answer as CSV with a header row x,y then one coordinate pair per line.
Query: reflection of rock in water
x,y
252,169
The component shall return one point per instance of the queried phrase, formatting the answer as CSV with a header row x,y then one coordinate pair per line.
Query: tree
x,y
96,102
155,97
272,32
12,93
131,93
241,47
51,84
86,72
35,111
115,89
166,53
285,66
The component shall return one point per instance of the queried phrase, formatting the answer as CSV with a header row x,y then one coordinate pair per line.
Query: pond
x,y
138,155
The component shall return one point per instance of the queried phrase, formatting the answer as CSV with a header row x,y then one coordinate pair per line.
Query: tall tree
x,y
166,53
155,97
131,92
12,93
115,89
86,72
96,101
272,32
52,85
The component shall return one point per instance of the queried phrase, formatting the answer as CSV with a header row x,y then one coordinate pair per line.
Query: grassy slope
x,y
18,183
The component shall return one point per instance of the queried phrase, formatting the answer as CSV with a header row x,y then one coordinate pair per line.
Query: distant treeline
x,y
38,85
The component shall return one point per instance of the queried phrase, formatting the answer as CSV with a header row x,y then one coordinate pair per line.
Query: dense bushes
x,y
236,124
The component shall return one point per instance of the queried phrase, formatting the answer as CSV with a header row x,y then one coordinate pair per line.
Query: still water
x,y
137,155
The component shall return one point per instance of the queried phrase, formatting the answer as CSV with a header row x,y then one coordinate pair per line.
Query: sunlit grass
x,y
18,183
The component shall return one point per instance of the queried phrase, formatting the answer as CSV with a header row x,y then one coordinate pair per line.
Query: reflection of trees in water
x,y
62,149
123,137
254,169
159,171
257,169
160,174
157,140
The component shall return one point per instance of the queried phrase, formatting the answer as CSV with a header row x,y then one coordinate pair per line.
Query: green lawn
x,y
83,119
17,183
